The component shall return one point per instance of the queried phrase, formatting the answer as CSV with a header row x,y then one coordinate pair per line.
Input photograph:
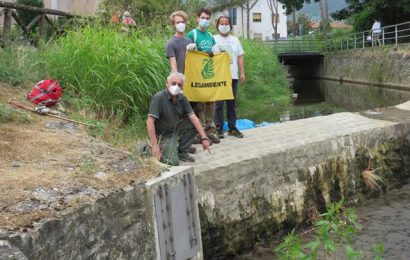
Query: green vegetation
x,y
109,77
363,12
11,115
114,74
266,93
18,65
335,228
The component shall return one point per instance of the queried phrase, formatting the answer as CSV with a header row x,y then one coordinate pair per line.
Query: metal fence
x,y
392,34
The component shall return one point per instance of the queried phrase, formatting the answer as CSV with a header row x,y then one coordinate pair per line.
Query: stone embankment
x,y
387,66
248,189
277,176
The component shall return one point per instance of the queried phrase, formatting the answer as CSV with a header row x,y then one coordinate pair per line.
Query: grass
x,y
113,74
18,65
373,182
8,115
109,77
266,93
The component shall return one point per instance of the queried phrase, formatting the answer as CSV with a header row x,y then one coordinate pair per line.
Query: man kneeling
x,y
172,123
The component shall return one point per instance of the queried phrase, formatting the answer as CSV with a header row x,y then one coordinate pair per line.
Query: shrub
x,y
265,95
114,74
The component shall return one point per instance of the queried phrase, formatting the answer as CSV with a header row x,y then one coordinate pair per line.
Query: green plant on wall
x,y
377,70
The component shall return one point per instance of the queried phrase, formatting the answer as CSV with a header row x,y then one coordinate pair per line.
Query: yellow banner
x,y
207,78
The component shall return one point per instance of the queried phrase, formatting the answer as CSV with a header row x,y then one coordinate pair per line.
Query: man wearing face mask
x,y
232,45
172,124
203,41
177,45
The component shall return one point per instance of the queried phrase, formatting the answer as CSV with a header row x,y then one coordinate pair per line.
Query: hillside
x,y
49,166
313,10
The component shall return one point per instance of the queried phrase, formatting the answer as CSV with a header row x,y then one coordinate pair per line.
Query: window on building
x,y
275,18
232,15
257,17
257,36
273,36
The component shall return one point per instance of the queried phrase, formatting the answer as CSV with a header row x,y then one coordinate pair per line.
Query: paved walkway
x,y
277,138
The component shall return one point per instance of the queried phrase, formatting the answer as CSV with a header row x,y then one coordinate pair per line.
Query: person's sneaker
x,y
235,133
185,157
214,139
221,134
191,149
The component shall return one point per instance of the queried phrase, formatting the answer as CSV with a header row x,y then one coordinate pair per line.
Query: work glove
x,y
191,47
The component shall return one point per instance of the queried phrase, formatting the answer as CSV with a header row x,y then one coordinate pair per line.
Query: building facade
x,y
260,21
78,7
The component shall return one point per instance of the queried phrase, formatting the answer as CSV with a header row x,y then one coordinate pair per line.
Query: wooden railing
x,y
9,13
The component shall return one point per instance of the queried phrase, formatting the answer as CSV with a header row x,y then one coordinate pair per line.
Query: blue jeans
x,y
230,109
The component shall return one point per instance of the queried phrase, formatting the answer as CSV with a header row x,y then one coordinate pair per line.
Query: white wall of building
x,y
262,30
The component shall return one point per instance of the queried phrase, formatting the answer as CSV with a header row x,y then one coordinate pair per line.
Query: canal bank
x,y
386,66
250,189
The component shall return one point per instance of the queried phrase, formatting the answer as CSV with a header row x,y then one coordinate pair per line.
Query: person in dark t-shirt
x,y
176,46
172,124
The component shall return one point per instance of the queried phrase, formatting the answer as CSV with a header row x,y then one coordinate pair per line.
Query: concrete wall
x,y
386,65
260,187
119,225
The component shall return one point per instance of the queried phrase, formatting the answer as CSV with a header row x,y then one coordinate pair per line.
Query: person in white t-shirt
x,y
376,31
230,44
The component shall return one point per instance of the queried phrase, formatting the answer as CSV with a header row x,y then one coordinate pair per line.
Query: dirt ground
x,y
48,166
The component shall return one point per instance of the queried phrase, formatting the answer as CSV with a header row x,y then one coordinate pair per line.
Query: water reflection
x,y
323,97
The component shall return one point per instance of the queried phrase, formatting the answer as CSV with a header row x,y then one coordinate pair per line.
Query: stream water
x,y
323,97
386,219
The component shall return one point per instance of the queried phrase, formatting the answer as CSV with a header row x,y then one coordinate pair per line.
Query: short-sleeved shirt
x,y
203,40
167,113
233,46
176,47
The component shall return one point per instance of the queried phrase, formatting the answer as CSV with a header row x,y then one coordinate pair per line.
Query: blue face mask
x,y
203,23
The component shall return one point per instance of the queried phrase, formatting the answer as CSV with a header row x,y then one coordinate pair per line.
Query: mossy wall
x,y
385,65
287,189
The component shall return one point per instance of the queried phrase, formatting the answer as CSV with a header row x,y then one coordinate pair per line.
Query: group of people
x,y
125,20
174,123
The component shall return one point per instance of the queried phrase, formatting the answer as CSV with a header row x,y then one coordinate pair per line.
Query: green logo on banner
x,y
208,70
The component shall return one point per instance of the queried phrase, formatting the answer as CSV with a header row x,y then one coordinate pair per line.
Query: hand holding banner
x,y
207,78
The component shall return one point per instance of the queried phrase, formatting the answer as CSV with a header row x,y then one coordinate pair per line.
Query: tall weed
x,y
266,94
18,65
114,74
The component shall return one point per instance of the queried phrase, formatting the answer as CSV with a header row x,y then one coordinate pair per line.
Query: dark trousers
x,y
230,109
179,142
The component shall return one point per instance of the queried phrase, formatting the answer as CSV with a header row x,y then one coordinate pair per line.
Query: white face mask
x,y
180,27
174,90
224,29
204,23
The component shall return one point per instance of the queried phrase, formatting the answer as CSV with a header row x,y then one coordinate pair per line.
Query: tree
x,y
247,7
273,7
291,6
363,12
305,21
324,23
